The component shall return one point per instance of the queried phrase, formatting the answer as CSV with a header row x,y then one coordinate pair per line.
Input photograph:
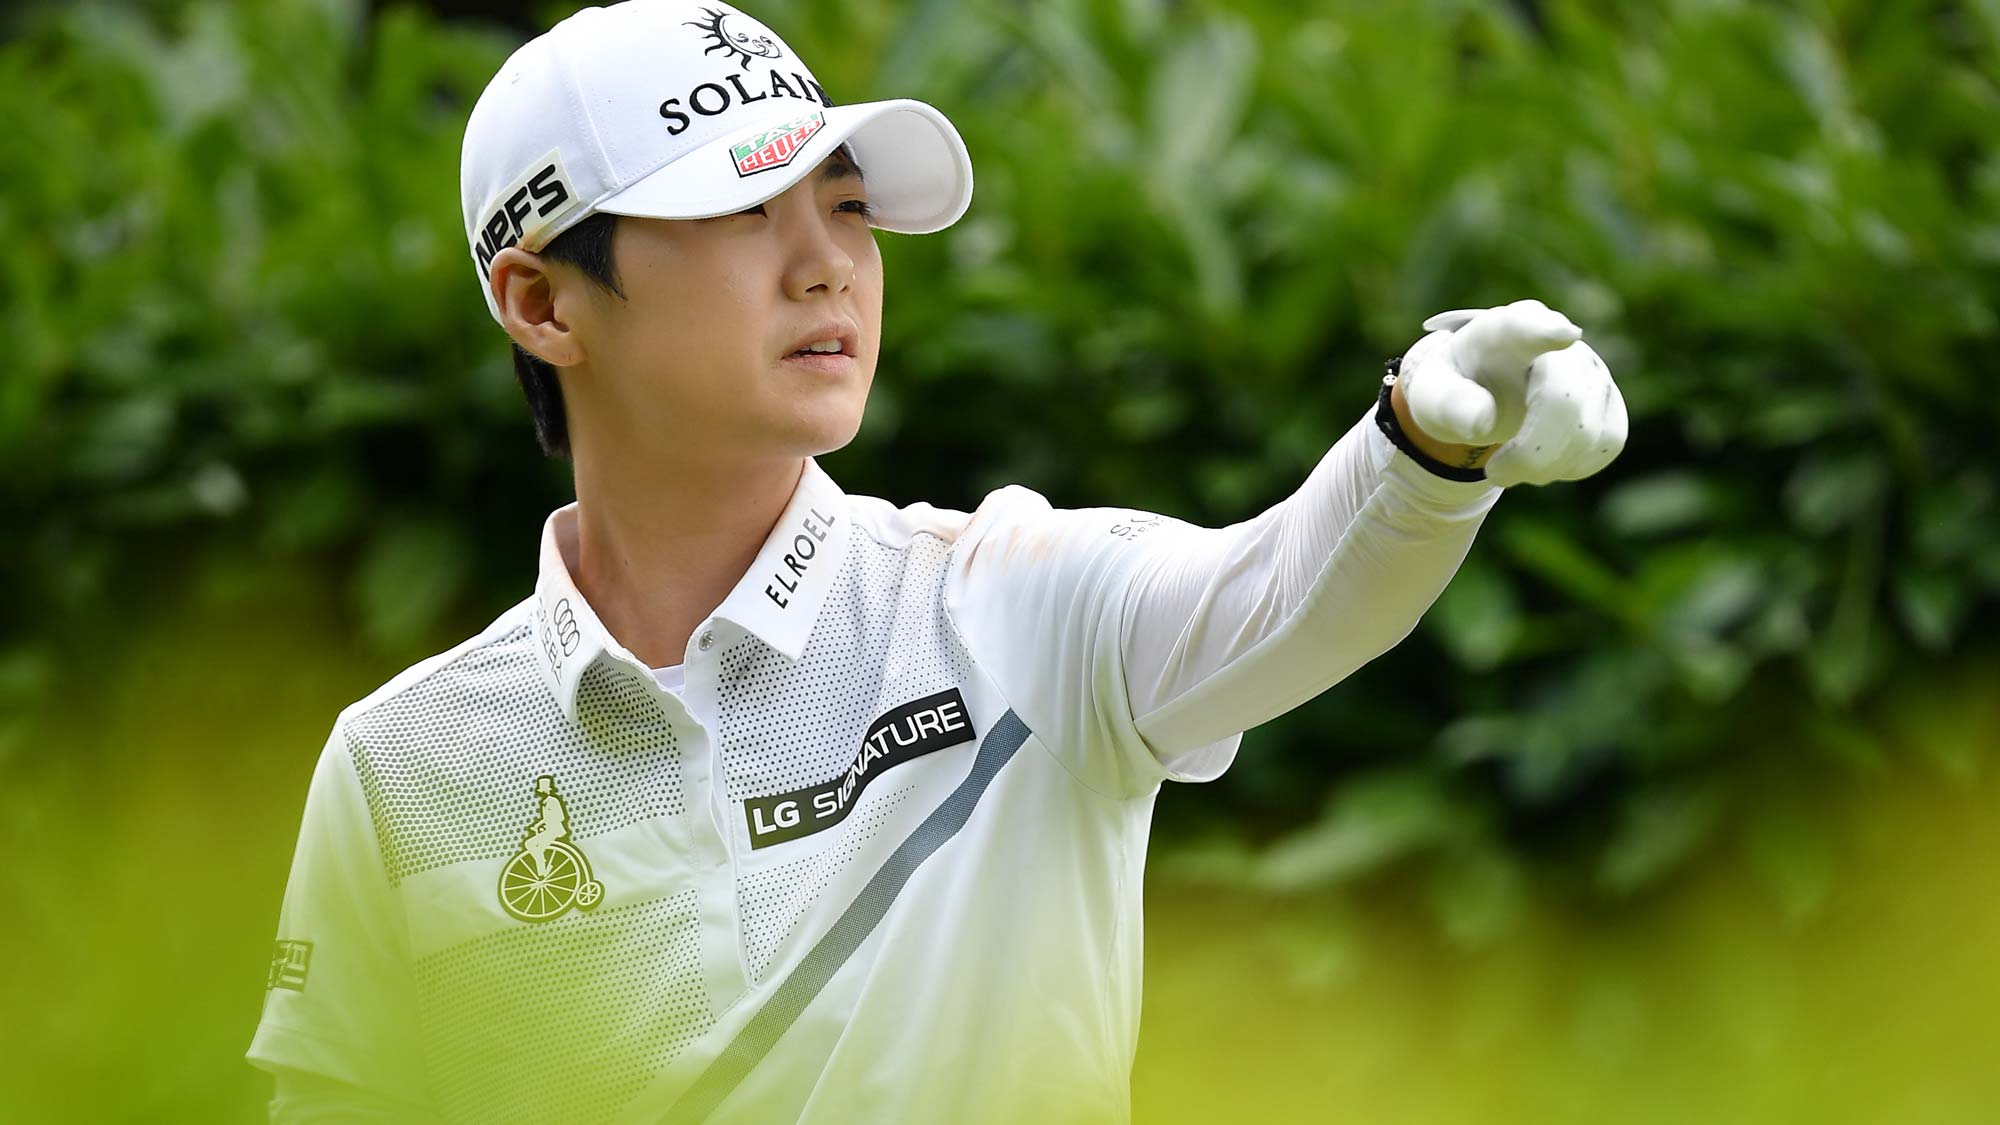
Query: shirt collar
x,y
777,600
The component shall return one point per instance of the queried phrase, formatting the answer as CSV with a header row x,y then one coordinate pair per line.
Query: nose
x,y
821,267
818,265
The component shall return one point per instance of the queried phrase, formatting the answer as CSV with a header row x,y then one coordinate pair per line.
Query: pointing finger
x,y
1500,342
1450,320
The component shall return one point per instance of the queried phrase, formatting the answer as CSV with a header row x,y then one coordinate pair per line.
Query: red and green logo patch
x,y
775,147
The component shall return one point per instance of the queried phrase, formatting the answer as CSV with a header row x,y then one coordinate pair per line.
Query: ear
x,y
526,290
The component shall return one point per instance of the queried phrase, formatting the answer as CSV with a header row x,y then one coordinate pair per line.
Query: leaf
x,y
1659,827
316,510
1723,588
1214,858
1559,559
1315,955
1850,651
125,439
1826,491
1479,894
1931,605
1198,94
1836,735
1477,617
1949,521
1659,503
25,672
1368,823
1710,669
414,569
1789,852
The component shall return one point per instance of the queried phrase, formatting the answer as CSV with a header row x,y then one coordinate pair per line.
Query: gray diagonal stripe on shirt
x,y
853,927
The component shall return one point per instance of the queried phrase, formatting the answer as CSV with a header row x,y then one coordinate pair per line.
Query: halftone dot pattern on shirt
x,y
449,763
537,1021
785,726
773,900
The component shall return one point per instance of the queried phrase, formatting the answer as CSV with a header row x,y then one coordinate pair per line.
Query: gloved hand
x,y
1521,377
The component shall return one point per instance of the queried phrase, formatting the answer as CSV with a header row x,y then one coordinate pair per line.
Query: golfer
x,y
855,797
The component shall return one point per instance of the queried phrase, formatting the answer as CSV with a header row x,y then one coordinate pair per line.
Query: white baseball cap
x,y
681,109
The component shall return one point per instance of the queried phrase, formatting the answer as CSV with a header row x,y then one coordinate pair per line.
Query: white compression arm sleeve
x,y
1140,647
1237,625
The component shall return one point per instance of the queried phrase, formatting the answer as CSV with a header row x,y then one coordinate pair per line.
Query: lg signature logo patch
x,y
919,727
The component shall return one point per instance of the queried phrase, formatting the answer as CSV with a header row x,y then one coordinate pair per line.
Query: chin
x,y
822,431
832,437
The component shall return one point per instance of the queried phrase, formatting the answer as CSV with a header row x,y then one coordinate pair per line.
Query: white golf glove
x,y
1521,377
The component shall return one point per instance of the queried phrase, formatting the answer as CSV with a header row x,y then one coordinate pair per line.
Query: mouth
x,y
837,343
833,363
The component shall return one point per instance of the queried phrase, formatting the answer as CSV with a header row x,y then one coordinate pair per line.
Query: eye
x,y
860,207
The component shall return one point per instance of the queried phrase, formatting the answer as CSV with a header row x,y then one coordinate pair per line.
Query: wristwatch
x,y
1385,417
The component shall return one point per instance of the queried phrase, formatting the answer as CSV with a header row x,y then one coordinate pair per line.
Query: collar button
x,y
706,641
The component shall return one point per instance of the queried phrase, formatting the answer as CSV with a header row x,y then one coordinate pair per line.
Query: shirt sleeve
x,y
339,994
1140,646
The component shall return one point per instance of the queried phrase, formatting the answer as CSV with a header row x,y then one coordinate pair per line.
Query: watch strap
x,y
1385,417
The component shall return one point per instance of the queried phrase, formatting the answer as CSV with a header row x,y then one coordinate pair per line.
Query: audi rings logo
x,y
565,626
559,633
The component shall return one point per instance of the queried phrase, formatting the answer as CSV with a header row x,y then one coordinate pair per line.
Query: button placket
x,y
702,686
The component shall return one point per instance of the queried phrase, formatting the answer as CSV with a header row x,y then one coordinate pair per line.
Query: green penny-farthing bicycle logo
x,y
548,875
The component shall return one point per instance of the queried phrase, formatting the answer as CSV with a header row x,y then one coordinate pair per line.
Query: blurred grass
x,y
1706,1002
150,833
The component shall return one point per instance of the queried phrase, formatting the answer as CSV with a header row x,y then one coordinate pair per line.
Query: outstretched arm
x,y
1227,628
1343,569
1140,647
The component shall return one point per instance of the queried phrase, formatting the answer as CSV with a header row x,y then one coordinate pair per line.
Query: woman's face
x,y
698,352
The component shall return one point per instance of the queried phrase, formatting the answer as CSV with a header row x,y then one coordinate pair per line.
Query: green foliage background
x,y
245,340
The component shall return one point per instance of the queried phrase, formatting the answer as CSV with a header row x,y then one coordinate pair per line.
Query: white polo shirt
x,y
896,874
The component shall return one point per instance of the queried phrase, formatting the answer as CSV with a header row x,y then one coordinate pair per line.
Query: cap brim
x,y
918,174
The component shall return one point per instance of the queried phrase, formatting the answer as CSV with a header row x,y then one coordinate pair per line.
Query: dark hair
x,y
587,246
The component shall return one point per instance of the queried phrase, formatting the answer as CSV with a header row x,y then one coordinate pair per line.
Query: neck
x,y
658,549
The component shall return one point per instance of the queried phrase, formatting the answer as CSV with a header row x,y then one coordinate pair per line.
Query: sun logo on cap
x,y
741,44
